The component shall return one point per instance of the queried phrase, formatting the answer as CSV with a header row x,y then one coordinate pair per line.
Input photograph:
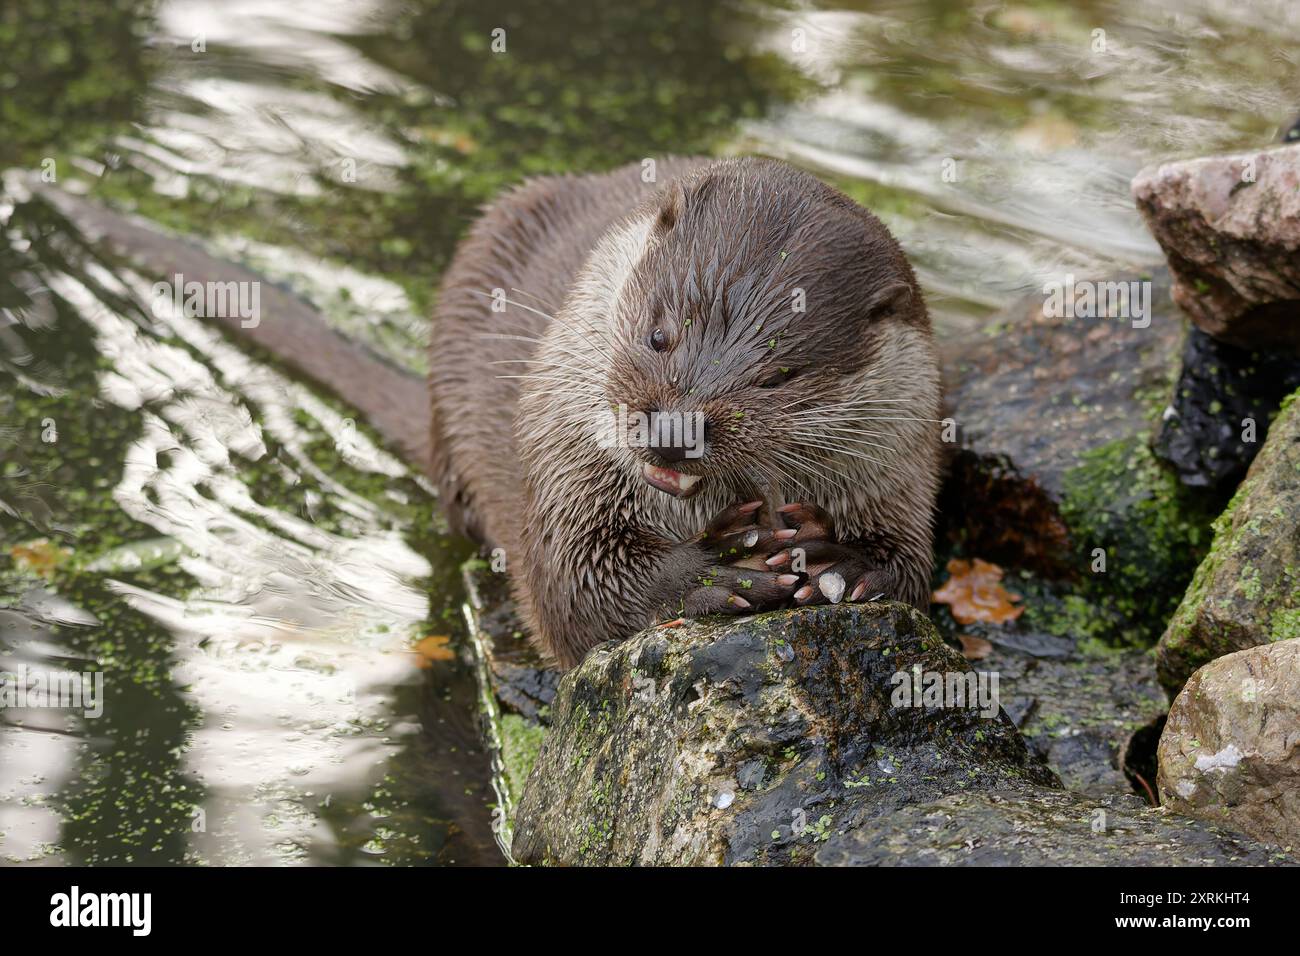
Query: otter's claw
x,y
734,590
734,537
736,578
836,572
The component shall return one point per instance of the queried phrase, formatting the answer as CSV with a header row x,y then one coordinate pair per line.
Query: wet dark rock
x,y
705,744
1224,396
1230,229
1230,752
518,676
1247,590
1031,394
1053,828
1078,707
1030,643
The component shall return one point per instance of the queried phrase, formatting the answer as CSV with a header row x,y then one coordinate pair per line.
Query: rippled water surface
x,y
264,589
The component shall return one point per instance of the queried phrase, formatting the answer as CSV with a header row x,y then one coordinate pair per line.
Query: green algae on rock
x,y
781,739
515,689
516,673
1247,590
1151,529
752,742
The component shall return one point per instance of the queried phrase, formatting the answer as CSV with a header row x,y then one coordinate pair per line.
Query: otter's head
x,y
765,329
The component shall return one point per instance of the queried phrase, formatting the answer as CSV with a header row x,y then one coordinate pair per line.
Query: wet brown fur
x,y
799,402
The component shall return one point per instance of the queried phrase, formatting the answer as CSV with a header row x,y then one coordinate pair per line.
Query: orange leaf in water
x,y
39,557
435,647
974,593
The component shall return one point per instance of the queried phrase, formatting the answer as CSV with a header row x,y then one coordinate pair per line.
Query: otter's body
x,y
743,291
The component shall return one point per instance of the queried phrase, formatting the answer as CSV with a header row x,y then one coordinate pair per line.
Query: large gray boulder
x,y
1230,751
1230,228
793,738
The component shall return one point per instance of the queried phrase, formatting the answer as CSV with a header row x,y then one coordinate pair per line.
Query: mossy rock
x,y
1247,590
786,739
753,741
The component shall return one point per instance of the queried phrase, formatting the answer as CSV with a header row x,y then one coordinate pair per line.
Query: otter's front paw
x,y
835,571
734,577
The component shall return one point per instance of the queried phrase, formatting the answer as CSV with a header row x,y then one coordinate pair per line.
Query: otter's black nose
x,y
677,436
669,452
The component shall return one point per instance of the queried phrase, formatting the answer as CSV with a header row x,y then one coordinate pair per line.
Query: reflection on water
x,y
248,570
999,139
252,612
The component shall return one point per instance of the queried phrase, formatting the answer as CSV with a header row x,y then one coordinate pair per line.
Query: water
x,y
266,591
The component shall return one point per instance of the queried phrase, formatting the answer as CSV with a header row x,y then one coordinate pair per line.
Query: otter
x,y
742,295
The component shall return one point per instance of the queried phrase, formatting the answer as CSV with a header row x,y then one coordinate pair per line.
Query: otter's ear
x,y
671,209
892,298
677,202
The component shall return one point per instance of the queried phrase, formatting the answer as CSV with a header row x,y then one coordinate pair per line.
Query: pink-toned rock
x,y
1230,751
1230,228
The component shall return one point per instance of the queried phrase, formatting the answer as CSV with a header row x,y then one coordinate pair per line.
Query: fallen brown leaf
x,y
974,648
974,592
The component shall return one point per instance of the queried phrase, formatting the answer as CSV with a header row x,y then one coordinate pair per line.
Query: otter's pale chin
x,y
670,482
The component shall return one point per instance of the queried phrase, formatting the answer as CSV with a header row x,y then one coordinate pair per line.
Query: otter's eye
x,y
659,340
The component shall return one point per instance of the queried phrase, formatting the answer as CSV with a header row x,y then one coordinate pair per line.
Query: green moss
x,y
1188,610
1285,624
1069,614
1153,531
1245,585
1248,583
520,743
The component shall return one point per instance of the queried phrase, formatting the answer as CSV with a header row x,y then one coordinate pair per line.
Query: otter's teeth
x,y
667,480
